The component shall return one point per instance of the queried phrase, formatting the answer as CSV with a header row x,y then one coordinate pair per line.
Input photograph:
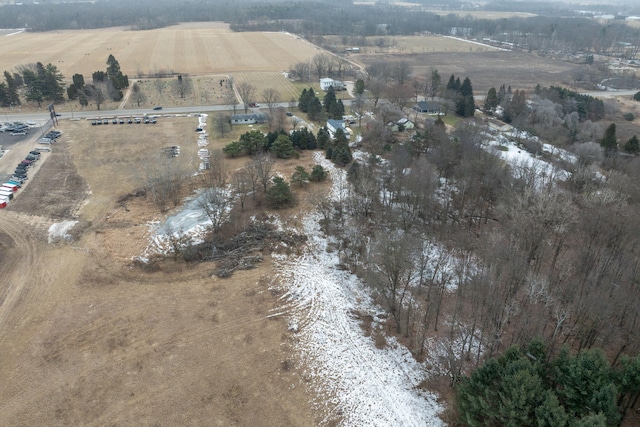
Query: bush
x,y
318,174
628,117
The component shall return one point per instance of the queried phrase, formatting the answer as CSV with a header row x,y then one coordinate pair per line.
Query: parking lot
x,y
17,147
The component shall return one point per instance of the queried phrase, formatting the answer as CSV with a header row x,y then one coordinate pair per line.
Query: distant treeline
x,y
548,33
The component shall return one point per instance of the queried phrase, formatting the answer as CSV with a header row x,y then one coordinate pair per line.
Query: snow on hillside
x,y
357,382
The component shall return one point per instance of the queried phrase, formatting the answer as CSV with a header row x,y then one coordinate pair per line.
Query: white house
x,y
326,83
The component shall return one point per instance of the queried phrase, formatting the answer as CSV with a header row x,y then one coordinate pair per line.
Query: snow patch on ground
x,y
361,384
60,231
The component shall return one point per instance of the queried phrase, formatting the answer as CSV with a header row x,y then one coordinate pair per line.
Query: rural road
x,y
77,115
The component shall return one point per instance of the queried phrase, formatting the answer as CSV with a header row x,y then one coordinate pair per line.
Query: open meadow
x,y
89,338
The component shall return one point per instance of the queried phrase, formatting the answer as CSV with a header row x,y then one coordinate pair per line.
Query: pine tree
x,y
329,99
491,102
283,147
608,141
632,146
300,176
279,195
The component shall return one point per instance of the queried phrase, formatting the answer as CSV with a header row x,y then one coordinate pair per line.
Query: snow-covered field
x,y
356,382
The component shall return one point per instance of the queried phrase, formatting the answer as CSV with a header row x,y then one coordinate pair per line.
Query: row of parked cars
x,y
122,120
20,175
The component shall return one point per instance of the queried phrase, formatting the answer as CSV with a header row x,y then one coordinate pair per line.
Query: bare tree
x,y
376,88
301,71
241,184
401,72
215,202
251,171
216,175
183,85
359,105
391,270
159,85
138,95
400,96
320,62
222,123
163,178
270,97
263,165
97,93
246,90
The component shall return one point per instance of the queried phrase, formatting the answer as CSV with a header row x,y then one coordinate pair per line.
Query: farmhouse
x,y
334,125
401,125
427,107
325,84
248,119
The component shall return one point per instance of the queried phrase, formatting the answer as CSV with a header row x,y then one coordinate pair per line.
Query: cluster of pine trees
x,y
525,387
462,95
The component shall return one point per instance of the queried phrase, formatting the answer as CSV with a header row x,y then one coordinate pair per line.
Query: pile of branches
x,y
243,250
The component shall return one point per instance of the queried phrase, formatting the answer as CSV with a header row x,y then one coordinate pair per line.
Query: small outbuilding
x,y
499,126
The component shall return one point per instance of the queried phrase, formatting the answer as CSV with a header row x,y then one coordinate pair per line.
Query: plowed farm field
x,y
196,48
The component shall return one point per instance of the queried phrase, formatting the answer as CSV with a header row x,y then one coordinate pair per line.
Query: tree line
x,y
565,31
44,83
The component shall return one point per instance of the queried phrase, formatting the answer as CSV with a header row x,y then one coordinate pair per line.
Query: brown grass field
x,y
196,48
87,338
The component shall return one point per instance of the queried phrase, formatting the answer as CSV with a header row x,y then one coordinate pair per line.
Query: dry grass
x,y
411,45
196,48
88,339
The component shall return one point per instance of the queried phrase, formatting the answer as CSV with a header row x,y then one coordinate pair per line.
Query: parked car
x,y
289,113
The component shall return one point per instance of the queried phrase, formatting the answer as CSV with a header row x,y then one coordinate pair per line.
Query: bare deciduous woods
x,y
484,255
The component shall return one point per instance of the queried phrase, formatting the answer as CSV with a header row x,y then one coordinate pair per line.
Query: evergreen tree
x,y
359,87
11,89
252,142
436,82
279,195
283,147
337,110
315,109
233,149
322,138
491,102
340,151
318,174
4,100
609,141
632,146
34,87
300,176
329,99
